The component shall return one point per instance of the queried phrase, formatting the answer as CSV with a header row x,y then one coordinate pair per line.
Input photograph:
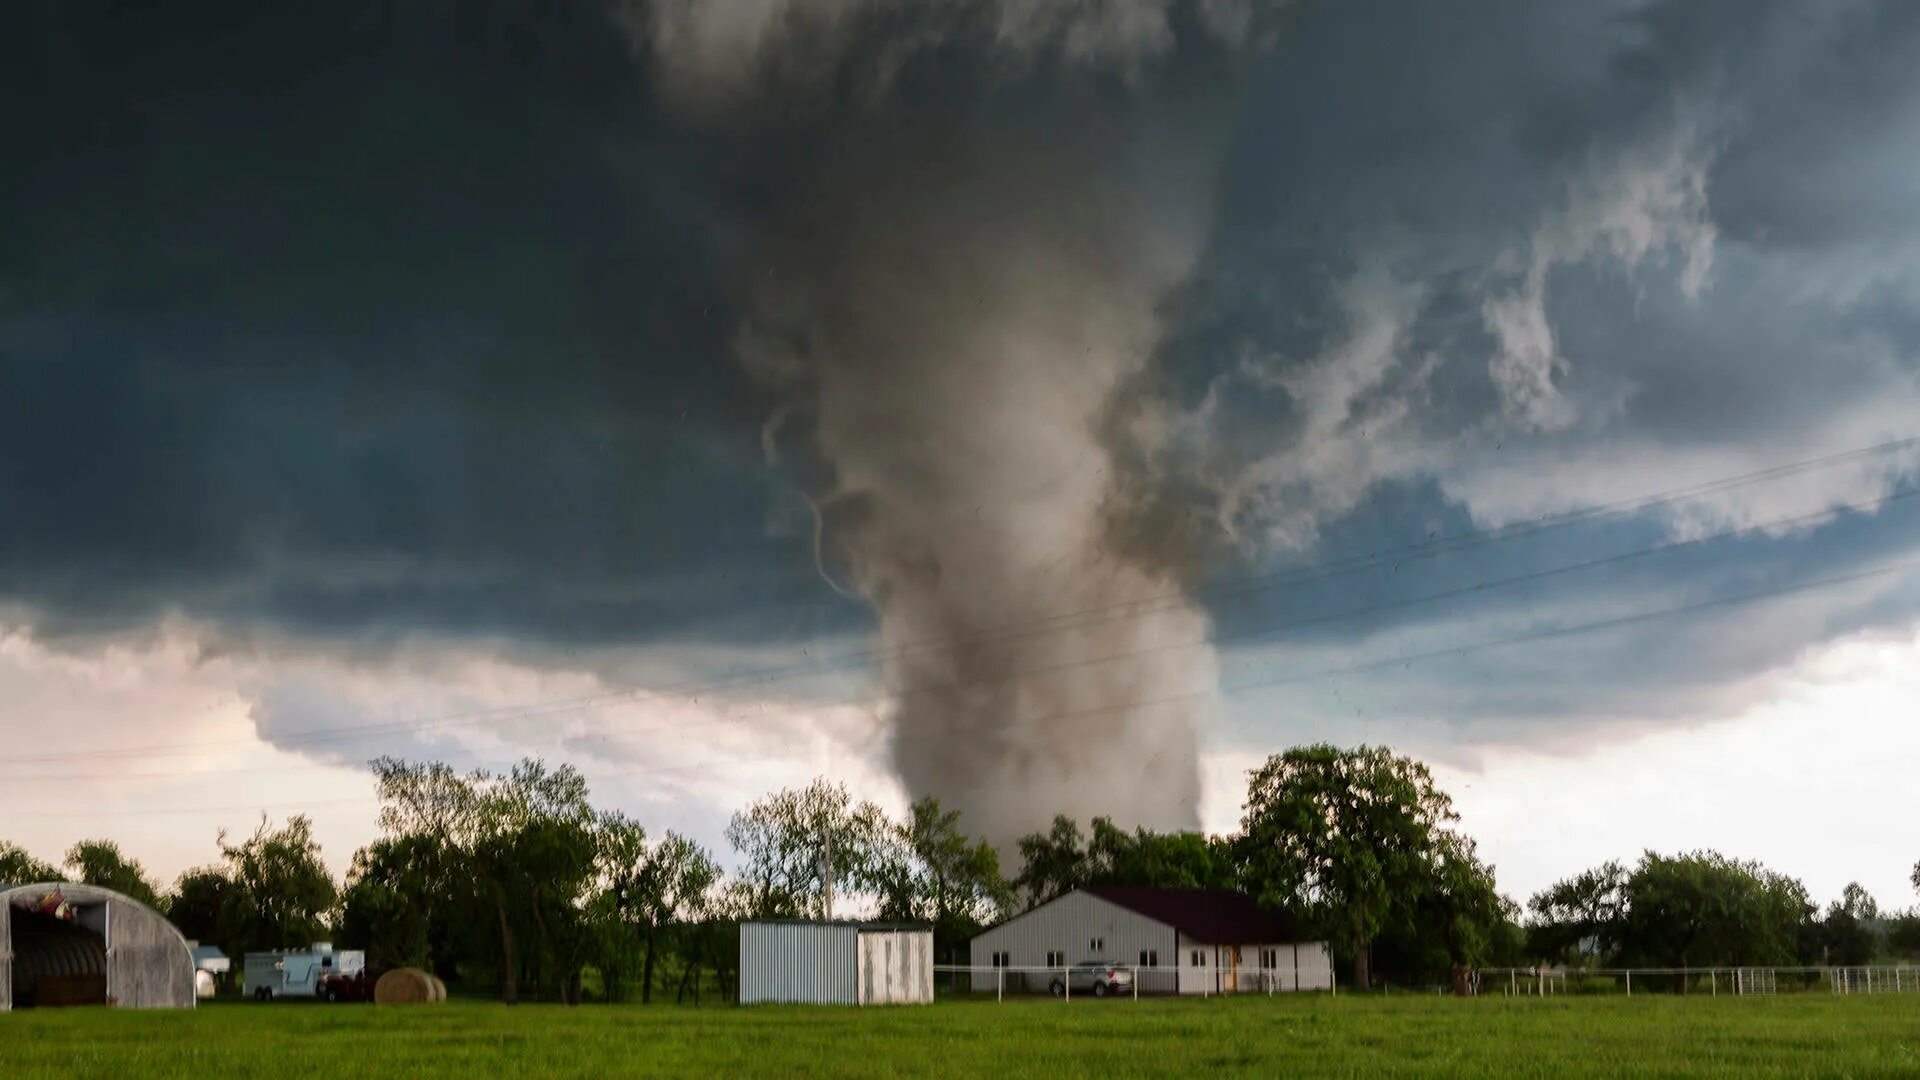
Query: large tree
x,y
286,893
1175,860
1350,840
1697,909
1852,931
1703,908
1060,860
404,896
933,872
1581,916
207,905
99,862
649,890
798,842
524,838
1052,862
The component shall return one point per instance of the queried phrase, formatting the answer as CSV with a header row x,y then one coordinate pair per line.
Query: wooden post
x,y
1629,983
999,983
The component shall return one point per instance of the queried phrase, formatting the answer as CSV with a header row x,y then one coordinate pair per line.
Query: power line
x,y
1551,633
1262,633
1500,643
692,766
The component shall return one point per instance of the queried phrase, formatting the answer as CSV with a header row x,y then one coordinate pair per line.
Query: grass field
x,y
1349,1036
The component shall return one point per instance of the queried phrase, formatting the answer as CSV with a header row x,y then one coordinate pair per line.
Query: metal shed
x,y
835,963
63,944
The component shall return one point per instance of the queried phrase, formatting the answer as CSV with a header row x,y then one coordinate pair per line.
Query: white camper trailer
x,y
303,973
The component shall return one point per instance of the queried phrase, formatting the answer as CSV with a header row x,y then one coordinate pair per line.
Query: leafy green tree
x,y
1698,909
1851,932
1903,933
1704,909
18,867
286,893
785,842
207,905
1349,840
99,862
650,890
933,872
1059,860
1179,860
1584,915
403,898
1053,862
524,838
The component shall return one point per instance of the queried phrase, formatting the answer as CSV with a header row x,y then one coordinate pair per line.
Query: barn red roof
x,y
1210,916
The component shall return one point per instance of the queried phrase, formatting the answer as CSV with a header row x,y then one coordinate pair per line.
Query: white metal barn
x,y
65,944
835,963
1185,941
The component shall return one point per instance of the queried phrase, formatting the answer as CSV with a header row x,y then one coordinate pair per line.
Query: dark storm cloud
x,y
1713,194
371,316
386,318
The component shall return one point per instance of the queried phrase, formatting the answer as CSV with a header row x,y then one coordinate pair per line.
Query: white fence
x,y
1139,979
1739,981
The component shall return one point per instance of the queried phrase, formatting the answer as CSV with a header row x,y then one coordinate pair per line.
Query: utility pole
x,y
826,867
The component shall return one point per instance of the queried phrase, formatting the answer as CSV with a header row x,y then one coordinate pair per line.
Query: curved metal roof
x,y
155,965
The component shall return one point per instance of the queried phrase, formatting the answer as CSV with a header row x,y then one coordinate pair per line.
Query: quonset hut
x,y
64,944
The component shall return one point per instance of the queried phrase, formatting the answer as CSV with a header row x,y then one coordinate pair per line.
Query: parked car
x,y
1096,977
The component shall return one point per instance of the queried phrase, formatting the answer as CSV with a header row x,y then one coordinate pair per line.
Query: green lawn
x,y
1808,1035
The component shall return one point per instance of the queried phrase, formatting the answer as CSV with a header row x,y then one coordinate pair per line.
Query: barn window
x,y
1097,946
1149,958
1056,959
1199,958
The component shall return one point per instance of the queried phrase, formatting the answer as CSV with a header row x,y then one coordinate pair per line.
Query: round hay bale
x,y
439,987
403,986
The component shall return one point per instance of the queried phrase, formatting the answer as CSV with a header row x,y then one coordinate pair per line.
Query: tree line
x,y
514,881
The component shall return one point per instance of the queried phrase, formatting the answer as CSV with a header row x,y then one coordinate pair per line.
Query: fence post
x,y
1000,984
1136,984
1629,983
1066,983
1713,984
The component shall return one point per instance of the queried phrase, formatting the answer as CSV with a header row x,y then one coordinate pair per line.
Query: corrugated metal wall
x,y
146,961
896,967
808,963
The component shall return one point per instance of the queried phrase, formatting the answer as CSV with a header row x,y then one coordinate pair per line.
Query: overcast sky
x,y
719,393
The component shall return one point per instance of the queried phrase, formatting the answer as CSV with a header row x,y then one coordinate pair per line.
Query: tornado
x,y
966,256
